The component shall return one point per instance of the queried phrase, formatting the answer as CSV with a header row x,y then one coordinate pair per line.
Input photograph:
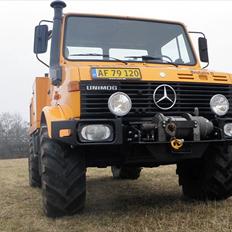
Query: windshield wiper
x,y
102,55
147,58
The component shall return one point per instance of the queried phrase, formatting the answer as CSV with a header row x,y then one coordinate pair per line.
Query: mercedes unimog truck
x,y
127,93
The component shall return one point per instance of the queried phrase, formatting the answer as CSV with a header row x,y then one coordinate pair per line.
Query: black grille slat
x,y
94,103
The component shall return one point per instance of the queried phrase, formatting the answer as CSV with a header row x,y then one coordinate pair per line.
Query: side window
x,y
183,50
171,50
176,49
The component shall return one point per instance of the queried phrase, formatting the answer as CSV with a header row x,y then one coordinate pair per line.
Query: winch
x,y
175,129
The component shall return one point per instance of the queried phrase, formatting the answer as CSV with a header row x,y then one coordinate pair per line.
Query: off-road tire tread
x,y
63,178
209,178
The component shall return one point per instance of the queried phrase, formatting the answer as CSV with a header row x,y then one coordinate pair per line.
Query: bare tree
x,y
13,135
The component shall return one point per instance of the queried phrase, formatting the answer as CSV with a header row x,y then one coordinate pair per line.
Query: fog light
x,y
228,129
96,132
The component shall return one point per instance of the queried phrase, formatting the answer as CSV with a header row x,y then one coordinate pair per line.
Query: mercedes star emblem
x,y
164,97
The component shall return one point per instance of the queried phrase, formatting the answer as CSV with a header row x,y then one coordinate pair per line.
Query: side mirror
x,y
203,49
41,39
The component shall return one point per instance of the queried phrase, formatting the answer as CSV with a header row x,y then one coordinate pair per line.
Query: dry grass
x,y
152,203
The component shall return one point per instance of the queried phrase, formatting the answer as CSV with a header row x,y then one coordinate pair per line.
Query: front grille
x,y
94,103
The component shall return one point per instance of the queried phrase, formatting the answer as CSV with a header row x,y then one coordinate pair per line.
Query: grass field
x,y
152,203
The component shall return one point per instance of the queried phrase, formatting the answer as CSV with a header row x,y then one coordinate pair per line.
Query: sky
x,y
19,67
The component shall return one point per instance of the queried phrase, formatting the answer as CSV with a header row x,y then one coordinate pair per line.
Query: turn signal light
x,y
57,96
73,86
65,133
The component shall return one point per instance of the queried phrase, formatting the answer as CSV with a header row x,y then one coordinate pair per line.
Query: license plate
x,y
116,73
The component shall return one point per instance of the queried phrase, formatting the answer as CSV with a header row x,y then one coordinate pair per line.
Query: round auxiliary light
x,y
219,104
228,129
119,104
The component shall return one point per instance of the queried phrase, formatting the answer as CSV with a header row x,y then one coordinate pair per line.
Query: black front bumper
x,y
131,146
139,132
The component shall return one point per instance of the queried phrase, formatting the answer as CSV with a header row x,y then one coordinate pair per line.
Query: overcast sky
x,y
18,65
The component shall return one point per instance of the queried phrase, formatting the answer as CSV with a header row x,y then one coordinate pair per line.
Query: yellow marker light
x,y
65,133
73,86
57,96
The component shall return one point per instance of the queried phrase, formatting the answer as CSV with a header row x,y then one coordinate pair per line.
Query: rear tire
x,y
209,178
131,173
33,168
63,178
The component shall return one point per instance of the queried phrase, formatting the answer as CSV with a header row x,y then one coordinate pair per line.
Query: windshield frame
x,y
133,19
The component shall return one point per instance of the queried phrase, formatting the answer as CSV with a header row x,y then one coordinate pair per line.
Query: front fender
x,y
55,113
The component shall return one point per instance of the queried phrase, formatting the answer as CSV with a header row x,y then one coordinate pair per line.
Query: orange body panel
x,y
40,98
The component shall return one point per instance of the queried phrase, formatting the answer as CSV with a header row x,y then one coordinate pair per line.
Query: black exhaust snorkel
x,y
55,68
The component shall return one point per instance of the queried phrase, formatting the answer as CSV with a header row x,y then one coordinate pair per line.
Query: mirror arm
x,y
49,34
197,32
205,65
41,61
45,21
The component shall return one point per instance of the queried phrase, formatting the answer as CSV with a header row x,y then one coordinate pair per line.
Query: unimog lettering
x,y
108,106
100,87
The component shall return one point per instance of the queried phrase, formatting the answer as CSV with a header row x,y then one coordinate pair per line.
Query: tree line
x,y
14,138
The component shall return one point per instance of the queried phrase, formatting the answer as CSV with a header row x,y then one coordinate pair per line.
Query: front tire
x,y
131,173
209,178
63,178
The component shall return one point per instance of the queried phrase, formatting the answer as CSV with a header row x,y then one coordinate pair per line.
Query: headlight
x,y
219,104
119,104
228,129
96,132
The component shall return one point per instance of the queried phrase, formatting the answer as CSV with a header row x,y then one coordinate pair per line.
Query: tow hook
x,y
177,143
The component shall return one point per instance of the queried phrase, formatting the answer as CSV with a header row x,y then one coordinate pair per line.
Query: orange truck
x,y
127,93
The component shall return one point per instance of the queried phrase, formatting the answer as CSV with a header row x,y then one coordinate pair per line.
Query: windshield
x,y
130,40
